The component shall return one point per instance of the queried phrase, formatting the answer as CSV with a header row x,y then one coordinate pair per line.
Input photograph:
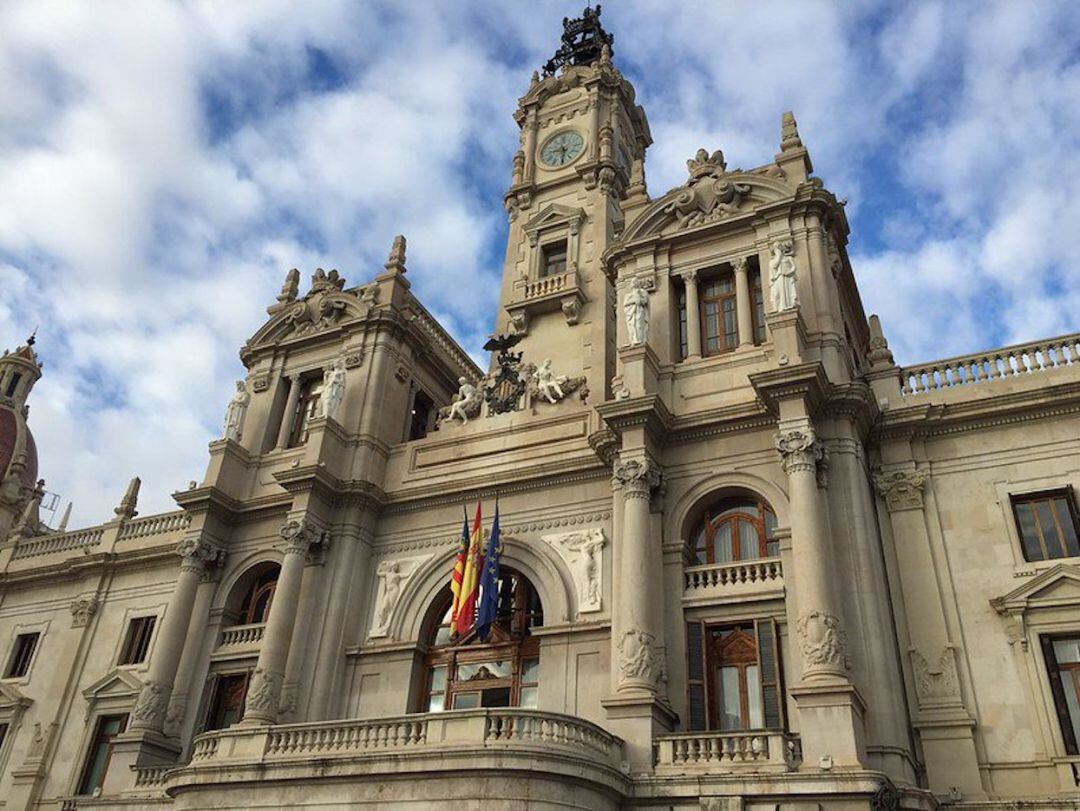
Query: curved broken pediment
x,y
711,194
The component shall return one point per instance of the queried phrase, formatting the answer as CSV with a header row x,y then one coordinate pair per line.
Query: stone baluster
x,y
821,635
196,555
264,694
638,631
743,305
693,316
287,417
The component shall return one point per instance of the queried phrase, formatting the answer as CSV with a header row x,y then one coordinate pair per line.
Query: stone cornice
x,y
805,380
648,411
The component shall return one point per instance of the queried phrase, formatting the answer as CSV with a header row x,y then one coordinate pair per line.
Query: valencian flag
x,y
470,581
489,582
459,569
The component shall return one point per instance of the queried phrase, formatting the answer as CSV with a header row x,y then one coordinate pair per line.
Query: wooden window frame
x,y
97,740
254,594
552,249
712,526
216,697
1065,493
704,300
1057,688
136,647
306,409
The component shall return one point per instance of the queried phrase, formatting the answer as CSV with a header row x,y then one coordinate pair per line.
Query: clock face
x,y
560,149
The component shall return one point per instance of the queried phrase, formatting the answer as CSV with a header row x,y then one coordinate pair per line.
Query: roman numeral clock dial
x,y
561,148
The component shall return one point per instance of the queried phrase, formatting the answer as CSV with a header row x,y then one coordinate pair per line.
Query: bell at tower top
x,y
582,41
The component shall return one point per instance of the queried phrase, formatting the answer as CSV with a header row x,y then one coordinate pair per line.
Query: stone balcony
x,y
730,752
450,755
732,582
241,639
531,297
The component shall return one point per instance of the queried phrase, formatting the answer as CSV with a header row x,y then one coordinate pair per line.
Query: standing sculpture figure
x,y
636,307
234,414
392,576
333,390
547,384
782,279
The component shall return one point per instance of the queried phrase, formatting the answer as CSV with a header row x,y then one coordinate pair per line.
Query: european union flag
x,y
489,582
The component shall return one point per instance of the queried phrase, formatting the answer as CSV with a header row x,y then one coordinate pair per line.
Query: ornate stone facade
x,y
727,577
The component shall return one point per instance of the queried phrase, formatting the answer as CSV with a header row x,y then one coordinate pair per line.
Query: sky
x,y
163,164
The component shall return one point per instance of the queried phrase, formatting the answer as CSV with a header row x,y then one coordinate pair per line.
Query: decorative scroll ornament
x,y
82,610
937,682
641,660
822,641
504,388
265,689
638,477
150,707
709,195
583,552
800,450
902,489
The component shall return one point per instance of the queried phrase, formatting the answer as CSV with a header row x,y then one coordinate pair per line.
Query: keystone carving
x,y
709,194
902,489
82,610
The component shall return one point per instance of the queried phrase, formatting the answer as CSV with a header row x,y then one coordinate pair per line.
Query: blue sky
x,y
163,165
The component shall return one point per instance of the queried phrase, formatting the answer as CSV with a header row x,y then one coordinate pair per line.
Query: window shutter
x,y
771,695
695,677
1056,688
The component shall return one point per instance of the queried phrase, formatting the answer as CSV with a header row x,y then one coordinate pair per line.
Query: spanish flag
x,y
459,570
470,581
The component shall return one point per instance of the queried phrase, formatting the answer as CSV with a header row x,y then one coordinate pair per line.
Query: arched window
x,y
466,673
255,607
734,529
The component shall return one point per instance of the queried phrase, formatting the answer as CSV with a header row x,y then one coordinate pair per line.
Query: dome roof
x,y
16,439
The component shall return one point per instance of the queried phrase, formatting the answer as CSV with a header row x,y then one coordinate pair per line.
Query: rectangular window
x,y
719,321
22,654
97,760
553,259
757,301
1062,656
3,735
733,676
306,410
13,384
228,705
683,344
137,642
420,415
1047,524
530,687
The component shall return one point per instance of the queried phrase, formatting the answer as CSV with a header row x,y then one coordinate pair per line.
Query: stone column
x,y
149,712
193,643
743,305
529,145
264,694
289,414
693,316
638,631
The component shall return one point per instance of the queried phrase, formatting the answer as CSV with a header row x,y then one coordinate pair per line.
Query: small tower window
x,y
13,384
306,410
553,259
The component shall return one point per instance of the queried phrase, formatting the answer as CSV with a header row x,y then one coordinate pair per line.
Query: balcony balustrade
x,y
718,582
237,637
726,751
562,291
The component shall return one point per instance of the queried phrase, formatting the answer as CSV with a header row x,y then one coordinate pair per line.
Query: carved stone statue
x,y
391,574
466,403
394,577
636,308
234,414
547,384
782,278
583,552
333,390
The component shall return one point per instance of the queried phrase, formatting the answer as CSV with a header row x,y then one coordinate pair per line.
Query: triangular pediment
x,y
551,216
11,697
1057,586
116,684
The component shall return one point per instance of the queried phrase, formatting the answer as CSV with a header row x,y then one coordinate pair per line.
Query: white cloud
x,y
163,164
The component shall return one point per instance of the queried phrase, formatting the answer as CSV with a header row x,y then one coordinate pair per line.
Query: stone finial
x,y
880,354
126,508
62,527
535,78
605,54
789,133
396,262
290,288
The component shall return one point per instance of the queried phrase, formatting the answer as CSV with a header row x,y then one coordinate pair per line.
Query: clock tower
x,y
576,180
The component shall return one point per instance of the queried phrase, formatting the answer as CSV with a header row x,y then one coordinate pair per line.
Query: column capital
x,y
800,450
638,477
198,554
740,264
300,536
689,276
902,489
